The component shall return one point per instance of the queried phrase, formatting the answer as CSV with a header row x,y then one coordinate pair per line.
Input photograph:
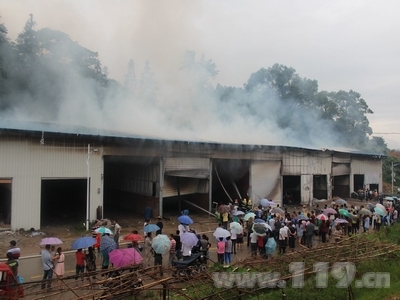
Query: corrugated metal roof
x,y
91,131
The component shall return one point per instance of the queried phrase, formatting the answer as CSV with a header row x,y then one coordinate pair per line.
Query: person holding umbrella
x,y
48,265
147,247
90,260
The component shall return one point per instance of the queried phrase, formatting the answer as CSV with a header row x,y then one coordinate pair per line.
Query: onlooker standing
x,y
47,261
228,251
90,259
12,263
59,268
253,243
310,228
233,239
80,263
117,231
147,248
221,250
14,250
159,224
366,223
172,250
178,246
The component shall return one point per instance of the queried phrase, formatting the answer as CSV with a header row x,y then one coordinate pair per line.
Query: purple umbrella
x,y
125,257
189,239
341,221
329,211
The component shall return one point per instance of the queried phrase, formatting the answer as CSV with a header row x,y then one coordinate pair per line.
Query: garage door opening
x,y
320,187
5,202
63,201
230,180
291,190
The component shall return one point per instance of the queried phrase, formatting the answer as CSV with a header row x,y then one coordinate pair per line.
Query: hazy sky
x,y
342,44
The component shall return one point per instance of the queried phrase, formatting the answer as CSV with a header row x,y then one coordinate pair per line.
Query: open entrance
x,y
358,182
230,180
63,200
341,186
5,201
320,186
291,190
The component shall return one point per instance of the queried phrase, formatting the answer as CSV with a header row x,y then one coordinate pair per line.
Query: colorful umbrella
x,y
189,239
380,211
236,227
322,217
329,210
103,230
83,242
238,213
151,228
341,221
161,244
133,237
223,208
125,257
340,201
185,220
277,210
221,232
50,241
261,228
364,211
249,215
380,206
259,221
107,244
265,202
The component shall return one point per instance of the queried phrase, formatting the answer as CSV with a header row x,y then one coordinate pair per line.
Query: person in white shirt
x,y
283,238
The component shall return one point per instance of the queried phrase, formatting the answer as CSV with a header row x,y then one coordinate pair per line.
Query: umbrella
x,y
161,244
125,257
370,205
223,209
220,232
151,228
83,242
322,217
50,241
277,210
238,213
236,227
189,239
364,211
389,198
301,217
185,220
249,215
341,221
133,237
258,221
103,230
266,202
340,201
347,214
380,211
261,228
329,210
380,206
107,244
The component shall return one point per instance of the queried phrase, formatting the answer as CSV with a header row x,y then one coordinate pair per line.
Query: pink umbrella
x,y
329,211
50,241
322,217
125,257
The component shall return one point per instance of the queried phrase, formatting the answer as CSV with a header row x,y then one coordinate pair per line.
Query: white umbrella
x,y
249,215
238,213
220,232
236,227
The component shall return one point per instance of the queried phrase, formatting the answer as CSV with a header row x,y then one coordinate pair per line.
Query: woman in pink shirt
x,y
221,250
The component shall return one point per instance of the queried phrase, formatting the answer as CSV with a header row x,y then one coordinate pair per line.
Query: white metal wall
x,y
372,170
265,181
27,163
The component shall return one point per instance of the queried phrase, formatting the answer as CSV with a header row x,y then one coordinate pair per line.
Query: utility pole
x,y
393,174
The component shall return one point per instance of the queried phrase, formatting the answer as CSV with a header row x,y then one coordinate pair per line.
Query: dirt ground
x,y
69,231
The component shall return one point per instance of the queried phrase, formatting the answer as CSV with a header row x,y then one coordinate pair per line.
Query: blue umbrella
x,y
151,228
83,242
107,244
258,221
301,217
161,244
185,220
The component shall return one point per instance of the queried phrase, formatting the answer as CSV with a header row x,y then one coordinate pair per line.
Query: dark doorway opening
x,y
291,190
358,182
63,201
230,180
5,202
341,186
320,187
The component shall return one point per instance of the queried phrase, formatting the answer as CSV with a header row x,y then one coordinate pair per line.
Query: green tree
x,y
130,82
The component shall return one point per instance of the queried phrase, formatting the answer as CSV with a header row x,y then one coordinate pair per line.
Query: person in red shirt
x,y
80,263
